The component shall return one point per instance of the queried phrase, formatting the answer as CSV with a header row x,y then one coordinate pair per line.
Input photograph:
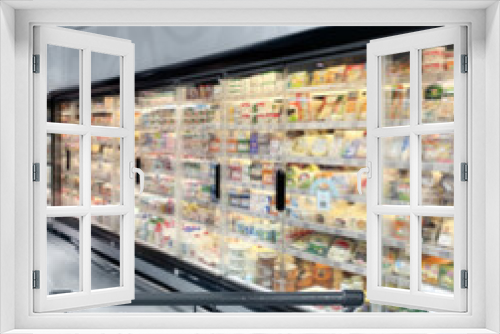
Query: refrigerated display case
x,y
307,118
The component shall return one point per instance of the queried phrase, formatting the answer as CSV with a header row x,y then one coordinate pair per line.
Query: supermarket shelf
x,y
262,243
265,157
250,185
147,110
157,152
353,268
358,235
254,127
199,201
404,281
201,178
349,197
327,161
276,94
249,212
199,127
165,216
326,125
442,252
396,280
196,102
165,172
152,194
426,166
331,87
209,226
156,128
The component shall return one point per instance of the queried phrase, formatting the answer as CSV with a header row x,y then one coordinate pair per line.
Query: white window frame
x,y
85,43
484,307
414,43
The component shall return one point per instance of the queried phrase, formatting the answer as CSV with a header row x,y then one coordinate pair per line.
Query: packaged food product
x,y
430,269
433,60
246,113
318,244
359,255
267,173
302,145
274,145
322,275
298,107
319,146
338,277
430,230
401,228
351,113
355,73
389,260
243,143
315,107
336,74
341,250
254,145
337,145
298,79
274,114
319,77
446,234
264,143
338,102
446,275
305,278
256,172
265,267
305,177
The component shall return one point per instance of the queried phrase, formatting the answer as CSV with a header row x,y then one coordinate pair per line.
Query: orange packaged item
x,y
361,105
305,277
322,275
401,228
267,173
350,107
355,73
232,145
430,269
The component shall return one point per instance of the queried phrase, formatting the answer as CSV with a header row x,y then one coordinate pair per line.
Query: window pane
x,y
437,84
105,99
395,251
437,255
395,154
110,277
437,170
395,95
63,170
63,255
105,171
63,73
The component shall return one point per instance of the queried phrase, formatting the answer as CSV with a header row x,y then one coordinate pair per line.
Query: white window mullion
x,y
415,259
86,179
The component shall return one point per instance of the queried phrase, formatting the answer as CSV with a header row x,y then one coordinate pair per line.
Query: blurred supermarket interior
x,y
253,99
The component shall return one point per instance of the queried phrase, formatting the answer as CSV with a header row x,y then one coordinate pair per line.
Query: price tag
x,y
323,199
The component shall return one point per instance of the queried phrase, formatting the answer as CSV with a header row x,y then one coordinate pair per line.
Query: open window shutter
x,y
417,136
54,131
